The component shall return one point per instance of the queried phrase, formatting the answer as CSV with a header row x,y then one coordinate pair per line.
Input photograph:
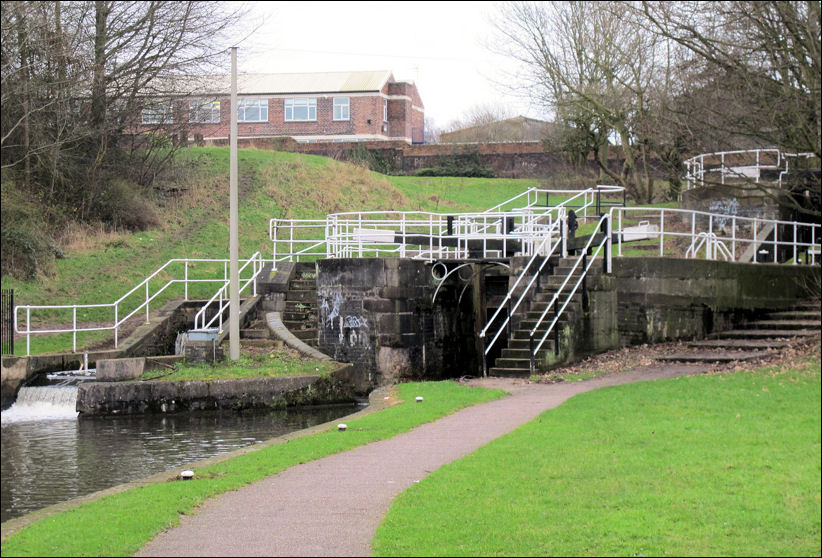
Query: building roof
x,y
273,84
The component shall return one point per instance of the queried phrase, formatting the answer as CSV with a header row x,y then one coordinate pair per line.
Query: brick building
x,y
310,107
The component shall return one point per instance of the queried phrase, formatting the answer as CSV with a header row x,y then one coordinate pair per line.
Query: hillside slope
x,y
98,267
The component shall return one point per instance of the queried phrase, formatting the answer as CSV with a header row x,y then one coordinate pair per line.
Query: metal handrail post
x,y
148,320
116,324
661,232
74,329
185,282
775,241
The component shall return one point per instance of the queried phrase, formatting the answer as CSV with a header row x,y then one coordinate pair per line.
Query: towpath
x,y
332,506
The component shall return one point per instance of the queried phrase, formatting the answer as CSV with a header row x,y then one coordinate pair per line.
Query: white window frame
x,y
385,110
307,103
344,106
157,113
244,106
204,112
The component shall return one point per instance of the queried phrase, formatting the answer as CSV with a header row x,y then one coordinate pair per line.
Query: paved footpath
x,y
333,506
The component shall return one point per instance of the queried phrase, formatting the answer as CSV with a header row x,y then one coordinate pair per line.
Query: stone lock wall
x,y
379,315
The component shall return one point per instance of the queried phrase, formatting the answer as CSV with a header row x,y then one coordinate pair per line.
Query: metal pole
x,y
234,280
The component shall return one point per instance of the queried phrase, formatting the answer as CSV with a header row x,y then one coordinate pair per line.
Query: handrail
x,y
582,257
695,166
221,296
730,230
149,295
446,235
555,227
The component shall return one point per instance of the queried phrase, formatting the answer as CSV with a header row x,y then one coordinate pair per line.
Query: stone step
x,y
525,343
304,267
529,323
763,333
751,344
262,343
255,333
301,296
523,352
795,315
305,334
520,363
303,285
716,356
509,372
784,324
299,324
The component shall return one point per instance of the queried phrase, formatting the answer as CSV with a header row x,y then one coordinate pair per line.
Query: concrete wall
x,y
660,299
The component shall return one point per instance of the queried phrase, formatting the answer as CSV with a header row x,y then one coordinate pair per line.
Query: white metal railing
x,y
201,320
586,262
515,225
733,237
553,239
743,164
186,272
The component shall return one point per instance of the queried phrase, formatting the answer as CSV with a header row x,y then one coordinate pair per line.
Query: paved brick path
x,y
332,506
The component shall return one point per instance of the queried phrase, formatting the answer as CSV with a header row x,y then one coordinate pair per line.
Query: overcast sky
x,y
441,46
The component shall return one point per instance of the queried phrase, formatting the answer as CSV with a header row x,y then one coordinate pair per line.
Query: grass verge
x,y
120,524
725,464
270,364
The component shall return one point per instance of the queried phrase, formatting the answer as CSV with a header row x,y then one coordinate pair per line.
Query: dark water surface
x,y
51,457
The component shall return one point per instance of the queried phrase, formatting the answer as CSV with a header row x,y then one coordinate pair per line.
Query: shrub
x,y
26,248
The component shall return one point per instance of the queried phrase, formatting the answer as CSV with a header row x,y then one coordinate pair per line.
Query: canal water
x,y
50,455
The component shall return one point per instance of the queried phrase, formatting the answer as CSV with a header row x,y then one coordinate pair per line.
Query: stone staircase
x,y
297,305
300,314
772,332
515,360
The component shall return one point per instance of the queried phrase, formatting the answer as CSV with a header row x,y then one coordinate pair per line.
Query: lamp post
x,y
233,236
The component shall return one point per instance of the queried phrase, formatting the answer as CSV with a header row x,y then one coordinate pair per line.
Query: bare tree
x,y
75,77
754,71
599,73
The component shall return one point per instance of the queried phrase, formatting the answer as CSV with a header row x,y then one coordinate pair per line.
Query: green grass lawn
x,y
120,524
271,364
726,464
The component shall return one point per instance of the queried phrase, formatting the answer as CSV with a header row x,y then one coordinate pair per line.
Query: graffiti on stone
x,y
725,207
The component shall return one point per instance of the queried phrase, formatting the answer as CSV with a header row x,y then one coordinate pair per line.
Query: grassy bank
x,y
119,524
726,464
102,266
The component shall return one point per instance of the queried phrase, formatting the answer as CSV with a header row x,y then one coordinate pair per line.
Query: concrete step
x,y
740,344
763,333
713,356
784,324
